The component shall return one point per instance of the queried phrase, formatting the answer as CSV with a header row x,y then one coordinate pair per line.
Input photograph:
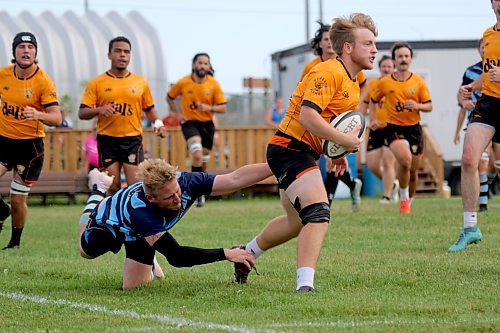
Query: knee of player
x,y
315,213
469,161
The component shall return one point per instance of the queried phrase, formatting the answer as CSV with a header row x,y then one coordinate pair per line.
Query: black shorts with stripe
x,y
126,149
25,156
375,139
487,111
203,129
99,239
289,163
412,134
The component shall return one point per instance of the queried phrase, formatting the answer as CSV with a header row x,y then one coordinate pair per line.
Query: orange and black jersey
x,y
327,88
131,95
381,114
307,68
208,92
491,40
37,91
396,93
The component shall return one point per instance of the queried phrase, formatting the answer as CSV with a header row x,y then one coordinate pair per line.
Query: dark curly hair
x,y
318,36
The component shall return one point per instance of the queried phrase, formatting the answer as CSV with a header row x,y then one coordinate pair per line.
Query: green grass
x,y
379,272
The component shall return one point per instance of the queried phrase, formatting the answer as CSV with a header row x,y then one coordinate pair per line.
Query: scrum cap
x,y
23,37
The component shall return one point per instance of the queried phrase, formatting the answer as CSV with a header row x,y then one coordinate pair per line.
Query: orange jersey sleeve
x,y
37,91
329,90
131,96
491,40
396,93
208,92
309,66
361,78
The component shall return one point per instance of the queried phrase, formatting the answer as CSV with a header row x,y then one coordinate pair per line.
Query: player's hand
x,y
159,128
494,73
240,256
456,139
30,113
410,104
469,104
203,107
465,91
350,140
338,166
107,110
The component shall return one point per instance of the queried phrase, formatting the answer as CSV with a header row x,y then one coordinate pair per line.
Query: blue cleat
x,y
467,236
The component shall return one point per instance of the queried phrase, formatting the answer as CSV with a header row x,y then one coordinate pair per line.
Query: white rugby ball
x,y
344,122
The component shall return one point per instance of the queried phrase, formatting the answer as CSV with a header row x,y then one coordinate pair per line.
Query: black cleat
x,y
306,289
11,247
483,208
240,270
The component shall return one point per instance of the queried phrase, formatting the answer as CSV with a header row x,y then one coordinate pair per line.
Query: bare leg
x,y
114,170
388,172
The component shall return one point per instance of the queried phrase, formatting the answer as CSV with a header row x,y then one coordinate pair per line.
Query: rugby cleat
x,y
356,195
100,180
404,207
306,289
11,247
240,270
200,202
467,236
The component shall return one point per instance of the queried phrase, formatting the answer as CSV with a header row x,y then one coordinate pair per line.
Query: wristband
x,y
157,124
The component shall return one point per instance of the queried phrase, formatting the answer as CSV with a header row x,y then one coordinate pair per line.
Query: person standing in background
x,y
29,102
201,97
118,98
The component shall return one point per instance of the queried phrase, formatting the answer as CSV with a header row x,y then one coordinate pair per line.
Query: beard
x,y
201,73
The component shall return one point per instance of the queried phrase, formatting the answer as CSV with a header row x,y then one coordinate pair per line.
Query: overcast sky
x,y
241,35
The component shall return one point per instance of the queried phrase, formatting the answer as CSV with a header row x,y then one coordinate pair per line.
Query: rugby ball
x,y
344,122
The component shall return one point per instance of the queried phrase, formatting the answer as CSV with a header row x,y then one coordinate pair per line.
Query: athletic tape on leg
x,y
19,188
315,213
195,146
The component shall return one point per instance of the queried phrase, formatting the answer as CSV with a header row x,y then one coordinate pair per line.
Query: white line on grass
x,y
179,323
383,322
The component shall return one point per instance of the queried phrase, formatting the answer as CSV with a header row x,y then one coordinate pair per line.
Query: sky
x,y
240,36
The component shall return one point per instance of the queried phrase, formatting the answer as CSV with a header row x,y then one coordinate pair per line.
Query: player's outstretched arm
x,y
187,256
240,178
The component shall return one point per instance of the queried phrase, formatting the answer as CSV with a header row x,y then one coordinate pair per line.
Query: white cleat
x,y
101,180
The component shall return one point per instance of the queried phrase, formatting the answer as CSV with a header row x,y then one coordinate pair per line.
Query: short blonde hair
x,y
154,173
342,29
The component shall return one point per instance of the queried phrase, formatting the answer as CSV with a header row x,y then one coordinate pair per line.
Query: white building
x,y
73,49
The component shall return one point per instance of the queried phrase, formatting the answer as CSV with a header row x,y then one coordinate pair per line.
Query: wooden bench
x,y
52,183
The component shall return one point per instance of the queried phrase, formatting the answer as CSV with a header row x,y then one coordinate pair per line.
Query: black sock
x,y
331,183
4,210
347,179
197,169
15,238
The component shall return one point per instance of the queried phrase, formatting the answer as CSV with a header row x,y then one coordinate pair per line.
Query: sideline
x,y
176,322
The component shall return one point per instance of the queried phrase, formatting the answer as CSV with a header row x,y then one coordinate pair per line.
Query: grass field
x,y
379,272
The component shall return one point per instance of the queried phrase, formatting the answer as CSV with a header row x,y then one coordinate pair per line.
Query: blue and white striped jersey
x,y
129,212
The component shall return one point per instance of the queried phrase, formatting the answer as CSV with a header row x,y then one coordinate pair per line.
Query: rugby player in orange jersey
x,y
484,126
29,102
118,99
406,95
329,89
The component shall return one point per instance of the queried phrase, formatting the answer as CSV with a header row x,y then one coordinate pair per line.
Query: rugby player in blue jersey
x,y
140,215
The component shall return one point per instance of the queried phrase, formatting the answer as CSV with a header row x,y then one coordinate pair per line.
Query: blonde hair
x,y
154,173
342,29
